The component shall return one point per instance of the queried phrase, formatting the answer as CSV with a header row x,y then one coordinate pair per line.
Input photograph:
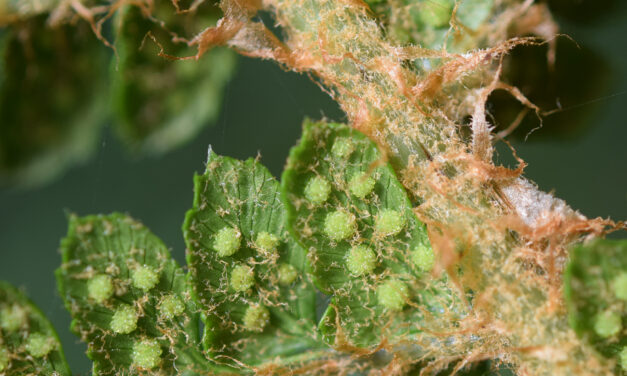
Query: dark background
x,y
262,111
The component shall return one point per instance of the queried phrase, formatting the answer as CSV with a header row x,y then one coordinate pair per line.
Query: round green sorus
x,y
227,241
170,306
4,358
100,288
144,278
607,324
266,241
124,319
435,13
392,294
242,278
339,225
256,318
146,354
389,222
342,147
623,358
317,190
13,318
287,274
39,345
361,185
361,260
619,285
422,256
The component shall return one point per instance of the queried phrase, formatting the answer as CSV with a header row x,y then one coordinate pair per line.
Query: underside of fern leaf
x,y
365,246
248,274
128,299
28,343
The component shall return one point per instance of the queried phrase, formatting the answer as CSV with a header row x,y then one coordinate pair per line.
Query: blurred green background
x,y
262,111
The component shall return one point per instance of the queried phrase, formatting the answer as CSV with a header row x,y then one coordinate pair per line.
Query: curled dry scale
x,y
391,245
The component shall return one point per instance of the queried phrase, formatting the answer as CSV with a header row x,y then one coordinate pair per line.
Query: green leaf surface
x,y
595,285
128,299
427,23
248,274
28,343
473,13
365,245
52,98
161,103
